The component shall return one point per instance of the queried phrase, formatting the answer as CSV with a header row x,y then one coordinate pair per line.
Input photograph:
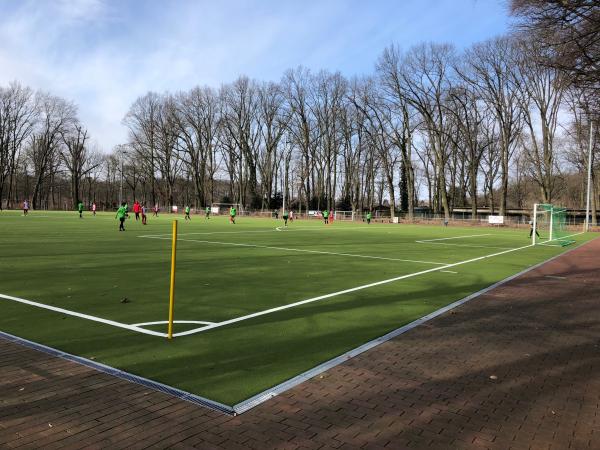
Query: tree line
x,y
499,125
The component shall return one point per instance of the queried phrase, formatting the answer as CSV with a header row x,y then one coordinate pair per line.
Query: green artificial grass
x,y
88,266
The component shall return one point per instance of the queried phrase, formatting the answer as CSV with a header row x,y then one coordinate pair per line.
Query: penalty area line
x,y
345,291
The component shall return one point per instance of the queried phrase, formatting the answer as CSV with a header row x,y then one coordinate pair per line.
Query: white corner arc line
x,y
83,316
162,322
299,250
345,291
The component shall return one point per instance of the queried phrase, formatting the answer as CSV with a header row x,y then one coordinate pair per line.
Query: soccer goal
x,y
223,208
549,225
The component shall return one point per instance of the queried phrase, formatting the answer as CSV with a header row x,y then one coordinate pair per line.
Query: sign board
x,y
174,209
496,220
395,220
214,210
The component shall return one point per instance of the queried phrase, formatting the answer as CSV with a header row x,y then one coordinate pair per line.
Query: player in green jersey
x,y
80,209
187,213
369,216
232,213
285,217
122,215
207,212
326,216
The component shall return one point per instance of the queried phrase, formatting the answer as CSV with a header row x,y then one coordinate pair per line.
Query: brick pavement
x,y
517,368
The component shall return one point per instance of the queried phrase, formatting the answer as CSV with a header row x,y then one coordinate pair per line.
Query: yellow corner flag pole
x,y
172,288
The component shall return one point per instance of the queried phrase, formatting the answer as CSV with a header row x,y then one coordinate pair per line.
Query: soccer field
x,y
256,304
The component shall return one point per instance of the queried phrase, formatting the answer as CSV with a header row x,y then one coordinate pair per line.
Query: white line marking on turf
x,y
345,291
463,245
455,237
270,230
300,250
83,316
162,322
448,271
207,233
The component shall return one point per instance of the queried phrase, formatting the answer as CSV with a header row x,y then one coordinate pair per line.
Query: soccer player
x,y
144,215
291,216
232,213
276,212
121,215
187,213
531,230
25,207
285,217
94,208
207,212
369,216
155,210
136,209
80,209
326,216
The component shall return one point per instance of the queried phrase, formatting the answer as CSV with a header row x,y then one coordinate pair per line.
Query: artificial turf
x,y
88,266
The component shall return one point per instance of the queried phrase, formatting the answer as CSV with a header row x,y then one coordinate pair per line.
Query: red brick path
x,y
519,367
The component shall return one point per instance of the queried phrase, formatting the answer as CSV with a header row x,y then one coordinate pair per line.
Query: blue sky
x,y
103,54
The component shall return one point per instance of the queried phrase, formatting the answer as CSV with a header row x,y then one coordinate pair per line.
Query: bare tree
x,y
18,117
390,72
142,122
273,120
77,159
569,32
542,90
57,116
239,121
426,78
490,69
378,114
196,120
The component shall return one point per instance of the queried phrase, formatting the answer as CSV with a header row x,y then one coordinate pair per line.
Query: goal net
x,y
549,225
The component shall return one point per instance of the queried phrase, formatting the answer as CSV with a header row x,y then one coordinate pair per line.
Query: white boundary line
x,y
338,293
300,250
83,316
